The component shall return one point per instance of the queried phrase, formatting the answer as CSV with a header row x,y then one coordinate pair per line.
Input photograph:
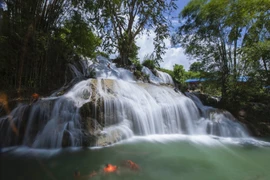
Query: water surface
x,y
164,157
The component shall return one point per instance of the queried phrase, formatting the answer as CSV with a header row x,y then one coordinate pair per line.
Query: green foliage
x,y
196,67
229,38
179,73
192,74
245,94
137,74
120,22
140,76
38,40
136,63
211,89
210,86
257,61
149,61
78,36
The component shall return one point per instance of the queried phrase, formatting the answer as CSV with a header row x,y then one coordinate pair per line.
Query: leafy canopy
x,y
221,34
120,22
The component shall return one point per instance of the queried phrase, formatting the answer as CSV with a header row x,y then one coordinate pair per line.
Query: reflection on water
x,y
159,157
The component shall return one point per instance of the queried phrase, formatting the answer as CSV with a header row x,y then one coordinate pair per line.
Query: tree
x,y
79,37
179,73
37,41
216,31
120,22
196,67
255,52
202,34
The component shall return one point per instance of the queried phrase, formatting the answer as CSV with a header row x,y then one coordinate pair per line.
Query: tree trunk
x,y
234,60
22,59
266,70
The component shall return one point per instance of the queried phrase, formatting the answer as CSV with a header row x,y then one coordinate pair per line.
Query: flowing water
x,y
122,105
168,134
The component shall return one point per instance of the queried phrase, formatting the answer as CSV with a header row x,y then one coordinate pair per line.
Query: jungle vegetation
x,y
39,38
227,39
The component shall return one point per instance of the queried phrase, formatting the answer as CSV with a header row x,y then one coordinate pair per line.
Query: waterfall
x,y
42,126
112,107
144,109
160,78
150,109
62,127
165,77
217,122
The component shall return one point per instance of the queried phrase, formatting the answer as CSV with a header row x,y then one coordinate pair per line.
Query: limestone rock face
x,y
93,116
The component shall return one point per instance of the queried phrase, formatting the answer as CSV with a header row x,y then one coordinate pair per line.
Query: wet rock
x,y
106,139
66,141
256,116
88,139
207,100
91,131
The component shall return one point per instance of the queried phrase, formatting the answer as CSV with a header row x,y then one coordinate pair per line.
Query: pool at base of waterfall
x,y
160,157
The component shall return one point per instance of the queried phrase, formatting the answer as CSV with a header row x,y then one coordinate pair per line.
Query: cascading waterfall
x,y
62,127
145,109
119,108
150,109
165,77
160,78
217,122
42,126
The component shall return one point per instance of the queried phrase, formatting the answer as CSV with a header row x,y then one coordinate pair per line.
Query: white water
x,y
161,78
130,109
46,123
134,108
146,109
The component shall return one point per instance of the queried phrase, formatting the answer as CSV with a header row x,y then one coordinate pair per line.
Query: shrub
x,y
137,65
149,63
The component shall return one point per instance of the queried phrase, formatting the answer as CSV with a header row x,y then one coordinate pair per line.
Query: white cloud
x,y
173,55
145,42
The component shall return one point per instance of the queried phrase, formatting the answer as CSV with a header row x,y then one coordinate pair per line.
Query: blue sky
x,y
181,4
173,55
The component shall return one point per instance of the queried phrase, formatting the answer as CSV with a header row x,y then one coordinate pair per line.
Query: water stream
x,y
170,135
